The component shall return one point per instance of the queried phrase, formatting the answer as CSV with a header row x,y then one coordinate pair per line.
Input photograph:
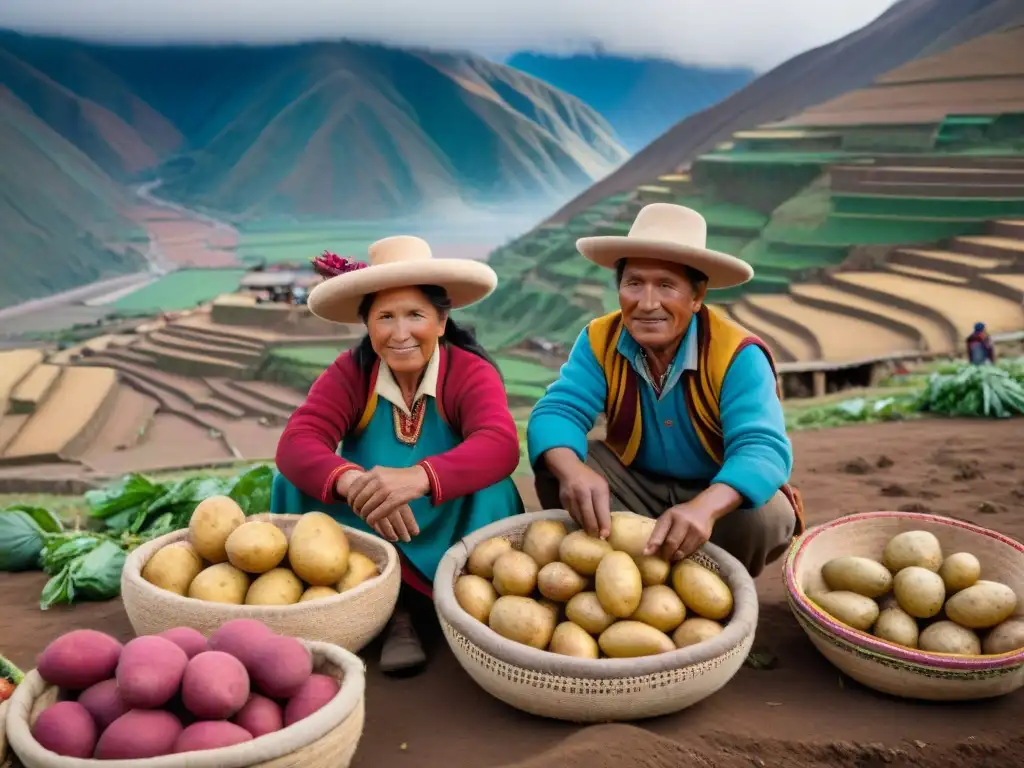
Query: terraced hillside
x,y
173,394
869,238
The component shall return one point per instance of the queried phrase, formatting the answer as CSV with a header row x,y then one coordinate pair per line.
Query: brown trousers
x,y
755,537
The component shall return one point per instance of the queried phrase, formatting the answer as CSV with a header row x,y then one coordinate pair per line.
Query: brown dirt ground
x,y
800,714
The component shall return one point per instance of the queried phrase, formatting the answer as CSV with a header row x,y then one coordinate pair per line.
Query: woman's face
x,y
404,328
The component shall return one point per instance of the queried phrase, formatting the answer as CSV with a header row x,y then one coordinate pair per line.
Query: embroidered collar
x,y
388,388
685,359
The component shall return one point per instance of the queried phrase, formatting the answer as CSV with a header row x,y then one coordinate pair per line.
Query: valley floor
x,y
802,713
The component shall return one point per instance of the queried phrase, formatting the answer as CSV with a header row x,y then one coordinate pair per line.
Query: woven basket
x,y
351,619
884,666
326,739
5,760
592,690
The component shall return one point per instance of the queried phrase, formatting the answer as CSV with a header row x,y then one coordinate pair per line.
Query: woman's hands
x,y
381,497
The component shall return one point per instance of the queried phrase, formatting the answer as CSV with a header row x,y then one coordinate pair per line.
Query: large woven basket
x,y
351,619
882,665
592,690
326,739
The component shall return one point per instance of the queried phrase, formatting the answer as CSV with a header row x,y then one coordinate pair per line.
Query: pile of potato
x,y
917,598
175,692
576,595
229,560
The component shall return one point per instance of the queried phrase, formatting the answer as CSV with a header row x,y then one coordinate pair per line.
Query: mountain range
x,y
328,130
909,29
640,97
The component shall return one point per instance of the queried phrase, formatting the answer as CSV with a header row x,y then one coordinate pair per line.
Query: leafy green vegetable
x,y
858,410
82,566
22,535
138,505
987,391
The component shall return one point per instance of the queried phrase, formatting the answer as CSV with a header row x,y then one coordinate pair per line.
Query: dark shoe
x,y
402,653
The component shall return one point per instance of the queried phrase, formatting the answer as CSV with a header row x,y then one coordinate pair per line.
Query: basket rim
x,y
742,624
799,601
132,573
314,727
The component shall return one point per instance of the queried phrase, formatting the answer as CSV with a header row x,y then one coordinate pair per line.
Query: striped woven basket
x,y
351,619
592,690
882,665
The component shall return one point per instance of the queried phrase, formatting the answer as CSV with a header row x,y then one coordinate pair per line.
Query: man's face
x,y
657,301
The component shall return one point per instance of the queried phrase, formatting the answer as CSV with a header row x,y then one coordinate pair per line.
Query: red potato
x,y
311,696
260,716
191,641
104,702
210,734
79,659
67,729
139,733
239,638
279,666
215,686
150,671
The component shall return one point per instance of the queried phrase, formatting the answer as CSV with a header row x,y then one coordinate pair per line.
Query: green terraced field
x,y
179,290
276,243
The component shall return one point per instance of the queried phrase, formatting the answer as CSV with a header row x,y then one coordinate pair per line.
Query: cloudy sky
x,y
754,33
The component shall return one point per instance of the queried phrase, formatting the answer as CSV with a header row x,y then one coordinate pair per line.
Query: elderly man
x,y
695,431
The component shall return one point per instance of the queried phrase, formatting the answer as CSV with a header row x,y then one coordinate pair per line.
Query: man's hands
x,y
683,529
381,497
583,492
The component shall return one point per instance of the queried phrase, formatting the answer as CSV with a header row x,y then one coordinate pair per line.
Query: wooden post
x,y
819,384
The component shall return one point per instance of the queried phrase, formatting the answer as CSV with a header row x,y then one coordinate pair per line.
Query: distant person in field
x,y
695,431
418,408
980,349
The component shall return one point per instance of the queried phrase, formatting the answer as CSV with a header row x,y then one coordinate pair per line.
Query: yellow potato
x,y
949,637
542,540
695,630
551,605
570,639
476,596
173,567
618,584
857,574
317,593
702,591
982,605
850,608
522,620
897,626
660,607
515,573
1005,637
220,583
653,570
256,547
919,592
919,548
558,582
628,639
360,568
210,525
960,571
630,533
586,610
481,559
583,553
278,586
318,549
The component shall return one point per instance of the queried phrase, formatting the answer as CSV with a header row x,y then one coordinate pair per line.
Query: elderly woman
x,y
428,445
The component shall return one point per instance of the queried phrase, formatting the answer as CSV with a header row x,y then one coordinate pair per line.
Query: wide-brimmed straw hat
x,y
398,262
667,232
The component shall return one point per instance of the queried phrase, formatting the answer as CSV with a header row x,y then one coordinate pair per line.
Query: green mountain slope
x,y
57,211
